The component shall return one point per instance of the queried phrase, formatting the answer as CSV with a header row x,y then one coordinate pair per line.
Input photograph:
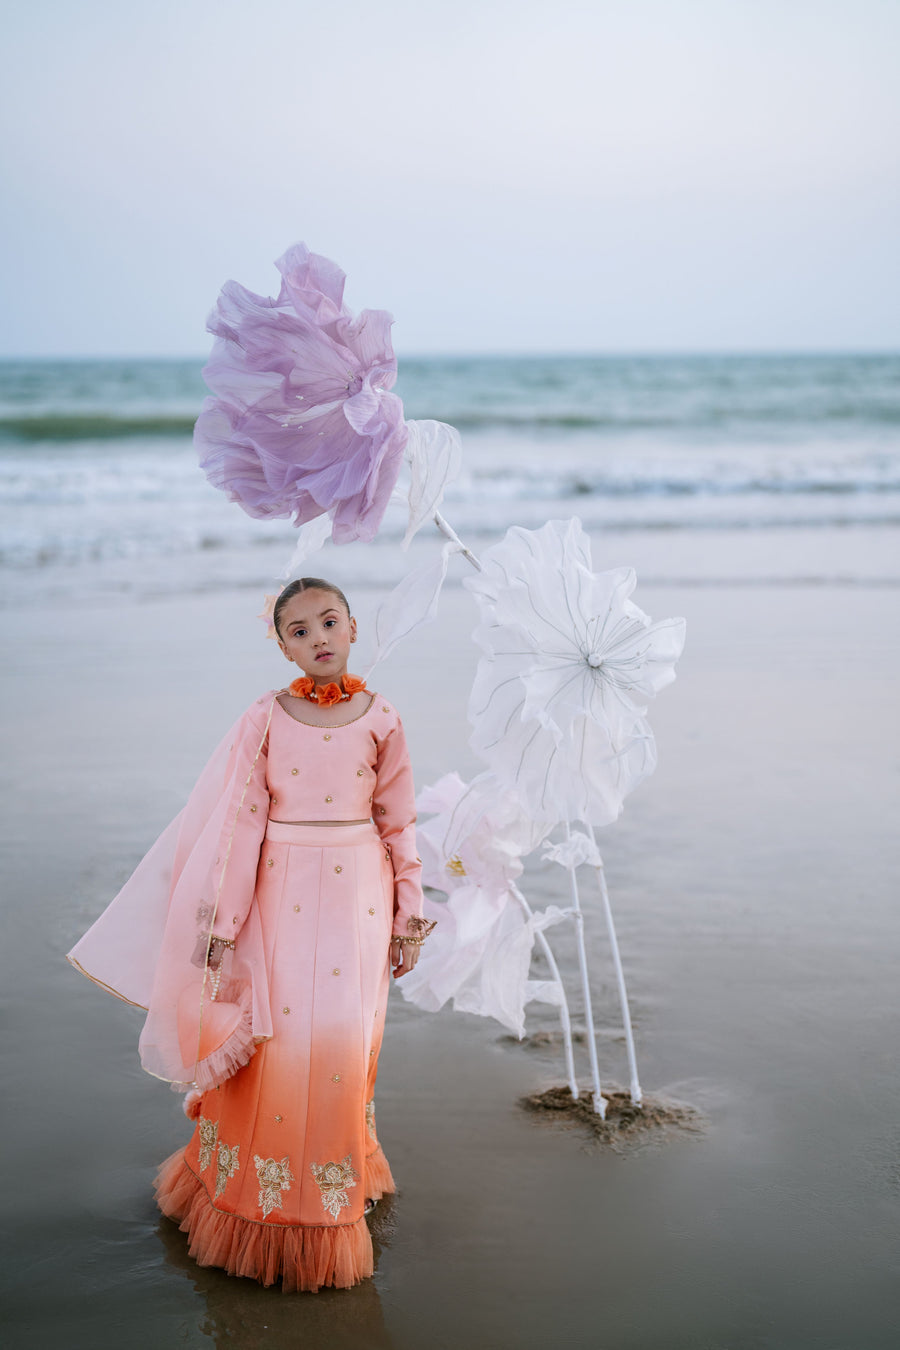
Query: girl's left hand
x,y
404,956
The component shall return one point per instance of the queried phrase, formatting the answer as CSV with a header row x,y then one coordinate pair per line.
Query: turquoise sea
x,y
97,470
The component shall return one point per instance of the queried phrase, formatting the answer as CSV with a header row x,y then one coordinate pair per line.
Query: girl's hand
x,y
208,953
404,956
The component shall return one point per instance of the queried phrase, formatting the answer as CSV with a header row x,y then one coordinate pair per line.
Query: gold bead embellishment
x,y
335,1078
253,808
226,1165
329,799
208,1131
296,909
285,1011
359,773
274,801
385,708
279,1119
372,1053
334,1180
339,868
270,862
274,1177
336,971
382,810
234,920
371,911
295,770
327,737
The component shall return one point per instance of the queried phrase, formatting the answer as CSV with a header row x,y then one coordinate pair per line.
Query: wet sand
x,y
754,880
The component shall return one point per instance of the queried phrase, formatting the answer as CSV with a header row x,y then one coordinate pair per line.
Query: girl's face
x,y
315,633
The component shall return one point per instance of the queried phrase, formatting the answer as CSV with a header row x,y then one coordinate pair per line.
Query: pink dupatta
x,y
142,945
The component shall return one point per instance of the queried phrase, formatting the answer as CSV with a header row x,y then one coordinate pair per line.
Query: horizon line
x,y
535,354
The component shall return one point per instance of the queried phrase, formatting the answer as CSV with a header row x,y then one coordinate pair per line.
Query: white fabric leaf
x,y
434,452
310,538
548,918
572,852
410,604
544,991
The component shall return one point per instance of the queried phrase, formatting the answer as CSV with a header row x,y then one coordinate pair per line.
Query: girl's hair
x,y
306,584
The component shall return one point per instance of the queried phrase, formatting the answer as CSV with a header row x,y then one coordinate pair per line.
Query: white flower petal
x,y
566,659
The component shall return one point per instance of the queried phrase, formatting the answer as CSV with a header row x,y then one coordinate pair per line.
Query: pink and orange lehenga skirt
x,y
274,1181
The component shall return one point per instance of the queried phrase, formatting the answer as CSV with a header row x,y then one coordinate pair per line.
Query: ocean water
x,y
99,483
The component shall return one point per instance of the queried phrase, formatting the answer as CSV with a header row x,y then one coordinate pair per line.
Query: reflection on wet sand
x,y
242,1315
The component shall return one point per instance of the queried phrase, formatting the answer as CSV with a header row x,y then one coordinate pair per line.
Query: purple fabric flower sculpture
x,y
300,421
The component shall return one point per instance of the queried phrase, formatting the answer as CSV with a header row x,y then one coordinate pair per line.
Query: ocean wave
x,y
711,418
102,426
98,426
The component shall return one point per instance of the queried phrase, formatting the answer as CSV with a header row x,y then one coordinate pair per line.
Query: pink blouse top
x,y
312,773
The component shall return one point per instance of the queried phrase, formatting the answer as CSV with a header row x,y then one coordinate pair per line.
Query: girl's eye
x,y
299,632
329,623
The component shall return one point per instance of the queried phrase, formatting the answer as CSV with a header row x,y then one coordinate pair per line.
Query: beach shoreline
x,y
752,879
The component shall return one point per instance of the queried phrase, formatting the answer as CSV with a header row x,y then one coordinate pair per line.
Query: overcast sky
x,y
503,175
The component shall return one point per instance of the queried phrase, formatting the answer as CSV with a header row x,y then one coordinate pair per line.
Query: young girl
x,y
258,933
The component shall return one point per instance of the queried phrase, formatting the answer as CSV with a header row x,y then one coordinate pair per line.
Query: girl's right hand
x,y
404,956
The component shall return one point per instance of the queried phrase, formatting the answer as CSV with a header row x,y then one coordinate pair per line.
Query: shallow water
x,y
754,880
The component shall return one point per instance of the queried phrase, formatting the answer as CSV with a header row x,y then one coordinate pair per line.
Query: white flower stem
x,y
635,1089
564,1017
447,529
598,1098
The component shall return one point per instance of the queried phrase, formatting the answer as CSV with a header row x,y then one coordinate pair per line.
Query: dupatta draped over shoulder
x,y
149,946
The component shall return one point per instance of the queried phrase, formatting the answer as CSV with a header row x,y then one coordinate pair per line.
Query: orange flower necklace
x,y
326,694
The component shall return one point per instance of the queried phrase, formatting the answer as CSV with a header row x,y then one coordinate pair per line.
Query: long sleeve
x,y
394,813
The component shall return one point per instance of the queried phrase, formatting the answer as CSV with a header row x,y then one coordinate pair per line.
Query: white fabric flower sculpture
x,y
567,660
480,953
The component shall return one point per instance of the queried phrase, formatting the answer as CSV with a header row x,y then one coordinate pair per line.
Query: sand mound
x,y
624,1123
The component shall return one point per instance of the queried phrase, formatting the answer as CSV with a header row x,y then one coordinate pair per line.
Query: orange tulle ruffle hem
x,y
304,1258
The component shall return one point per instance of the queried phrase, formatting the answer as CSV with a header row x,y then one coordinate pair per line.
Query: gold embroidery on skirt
x,y
334,1180
274,1177
226,1166
209,1133
370,1118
